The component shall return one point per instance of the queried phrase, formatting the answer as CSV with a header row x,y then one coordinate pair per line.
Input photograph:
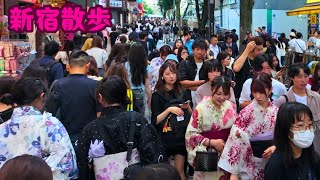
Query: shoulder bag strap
x,y
131,135
298,45
285,96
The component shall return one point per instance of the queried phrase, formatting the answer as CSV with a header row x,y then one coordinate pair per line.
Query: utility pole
x,y
221,15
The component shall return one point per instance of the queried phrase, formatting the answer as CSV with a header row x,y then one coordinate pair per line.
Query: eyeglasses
x,y
303,128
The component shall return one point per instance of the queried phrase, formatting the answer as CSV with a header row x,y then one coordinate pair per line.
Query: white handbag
x,y
112,166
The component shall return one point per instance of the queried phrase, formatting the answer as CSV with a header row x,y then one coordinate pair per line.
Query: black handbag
x,y
206,161
130,171
258,147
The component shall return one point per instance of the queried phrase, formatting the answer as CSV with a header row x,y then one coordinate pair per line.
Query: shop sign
x,y
312,1
115,3
50,19
313,19
103,3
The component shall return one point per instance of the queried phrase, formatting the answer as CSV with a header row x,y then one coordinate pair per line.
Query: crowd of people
x,y
123,108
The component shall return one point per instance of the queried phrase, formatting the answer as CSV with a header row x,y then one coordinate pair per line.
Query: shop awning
x,y
28,1
307,9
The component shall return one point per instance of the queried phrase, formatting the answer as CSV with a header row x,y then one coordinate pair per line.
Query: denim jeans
x,y
138,95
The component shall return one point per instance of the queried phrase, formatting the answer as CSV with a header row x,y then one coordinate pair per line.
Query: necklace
x,y
249,63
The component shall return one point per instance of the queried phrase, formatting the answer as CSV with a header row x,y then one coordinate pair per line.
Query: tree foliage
x,y
165,4
148,9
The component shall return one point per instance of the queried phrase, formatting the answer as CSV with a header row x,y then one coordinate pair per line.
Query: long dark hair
x,y
118,54
315,83
180,51
175,44
138,64
160,86
270,57
220,57
68,47
287,114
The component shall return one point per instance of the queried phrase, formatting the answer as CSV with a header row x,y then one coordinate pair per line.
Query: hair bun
x,y
7,99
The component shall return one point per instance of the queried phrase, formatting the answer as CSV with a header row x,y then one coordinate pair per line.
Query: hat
x,y
293,34
172,57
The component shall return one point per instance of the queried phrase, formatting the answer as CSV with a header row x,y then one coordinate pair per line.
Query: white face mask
x,y
303,139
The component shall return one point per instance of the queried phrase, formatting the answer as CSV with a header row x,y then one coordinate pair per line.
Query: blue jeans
x,y
138,95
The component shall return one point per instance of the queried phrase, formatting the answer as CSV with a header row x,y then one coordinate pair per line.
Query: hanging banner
x,y
50,19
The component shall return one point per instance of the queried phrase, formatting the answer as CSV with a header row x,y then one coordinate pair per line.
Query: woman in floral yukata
x,y
104,140
250,142
210,124
39,134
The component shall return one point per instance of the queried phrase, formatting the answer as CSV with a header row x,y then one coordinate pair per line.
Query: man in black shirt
x,y
143,40
235,36
175,32
113,35
73,98
191,71
243,66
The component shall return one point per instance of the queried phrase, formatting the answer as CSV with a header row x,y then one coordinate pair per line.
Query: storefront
x,y
312,9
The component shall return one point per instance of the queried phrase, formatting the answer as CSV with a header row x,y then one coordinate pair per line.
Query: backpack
x,y
48,68
171,126
166,30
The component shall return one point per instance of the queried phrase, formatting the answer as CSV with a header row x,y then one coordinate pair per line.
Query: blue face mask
x,y
303,139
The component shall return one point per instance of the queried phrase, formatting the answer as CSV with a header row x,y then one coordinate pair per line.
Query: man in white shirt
x,y
214,46
298,44
264,65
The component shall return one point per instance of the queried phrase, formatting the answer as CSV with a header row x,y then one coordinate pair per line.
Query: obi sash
x,y
217,134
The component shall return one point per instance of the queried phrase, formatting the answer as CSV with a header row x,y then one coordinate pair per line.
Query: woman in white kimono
x,y
250,141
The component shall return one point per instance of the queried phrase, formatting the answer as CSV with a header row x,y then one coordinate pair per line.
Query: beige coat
x,y
313,102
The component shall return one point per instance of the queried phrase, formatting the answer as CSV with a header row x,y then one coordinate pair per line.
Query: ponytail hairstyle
x,y
6,88
113,89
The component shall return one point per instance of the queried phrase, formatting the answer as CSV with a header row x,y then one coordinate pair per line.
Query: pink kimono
x,y
237,156
208,122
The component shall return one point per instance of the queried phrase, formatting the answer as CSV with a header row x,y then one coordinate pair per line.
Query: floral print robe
x,y
237,156
207,118
31,132
154,68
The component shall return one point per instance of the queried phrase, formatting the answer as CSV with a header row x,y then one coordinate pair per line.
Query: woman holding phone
x,y
171,113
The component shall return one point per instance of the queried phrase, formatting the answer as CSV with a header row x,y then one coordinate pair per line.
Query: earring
x,y
161,78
